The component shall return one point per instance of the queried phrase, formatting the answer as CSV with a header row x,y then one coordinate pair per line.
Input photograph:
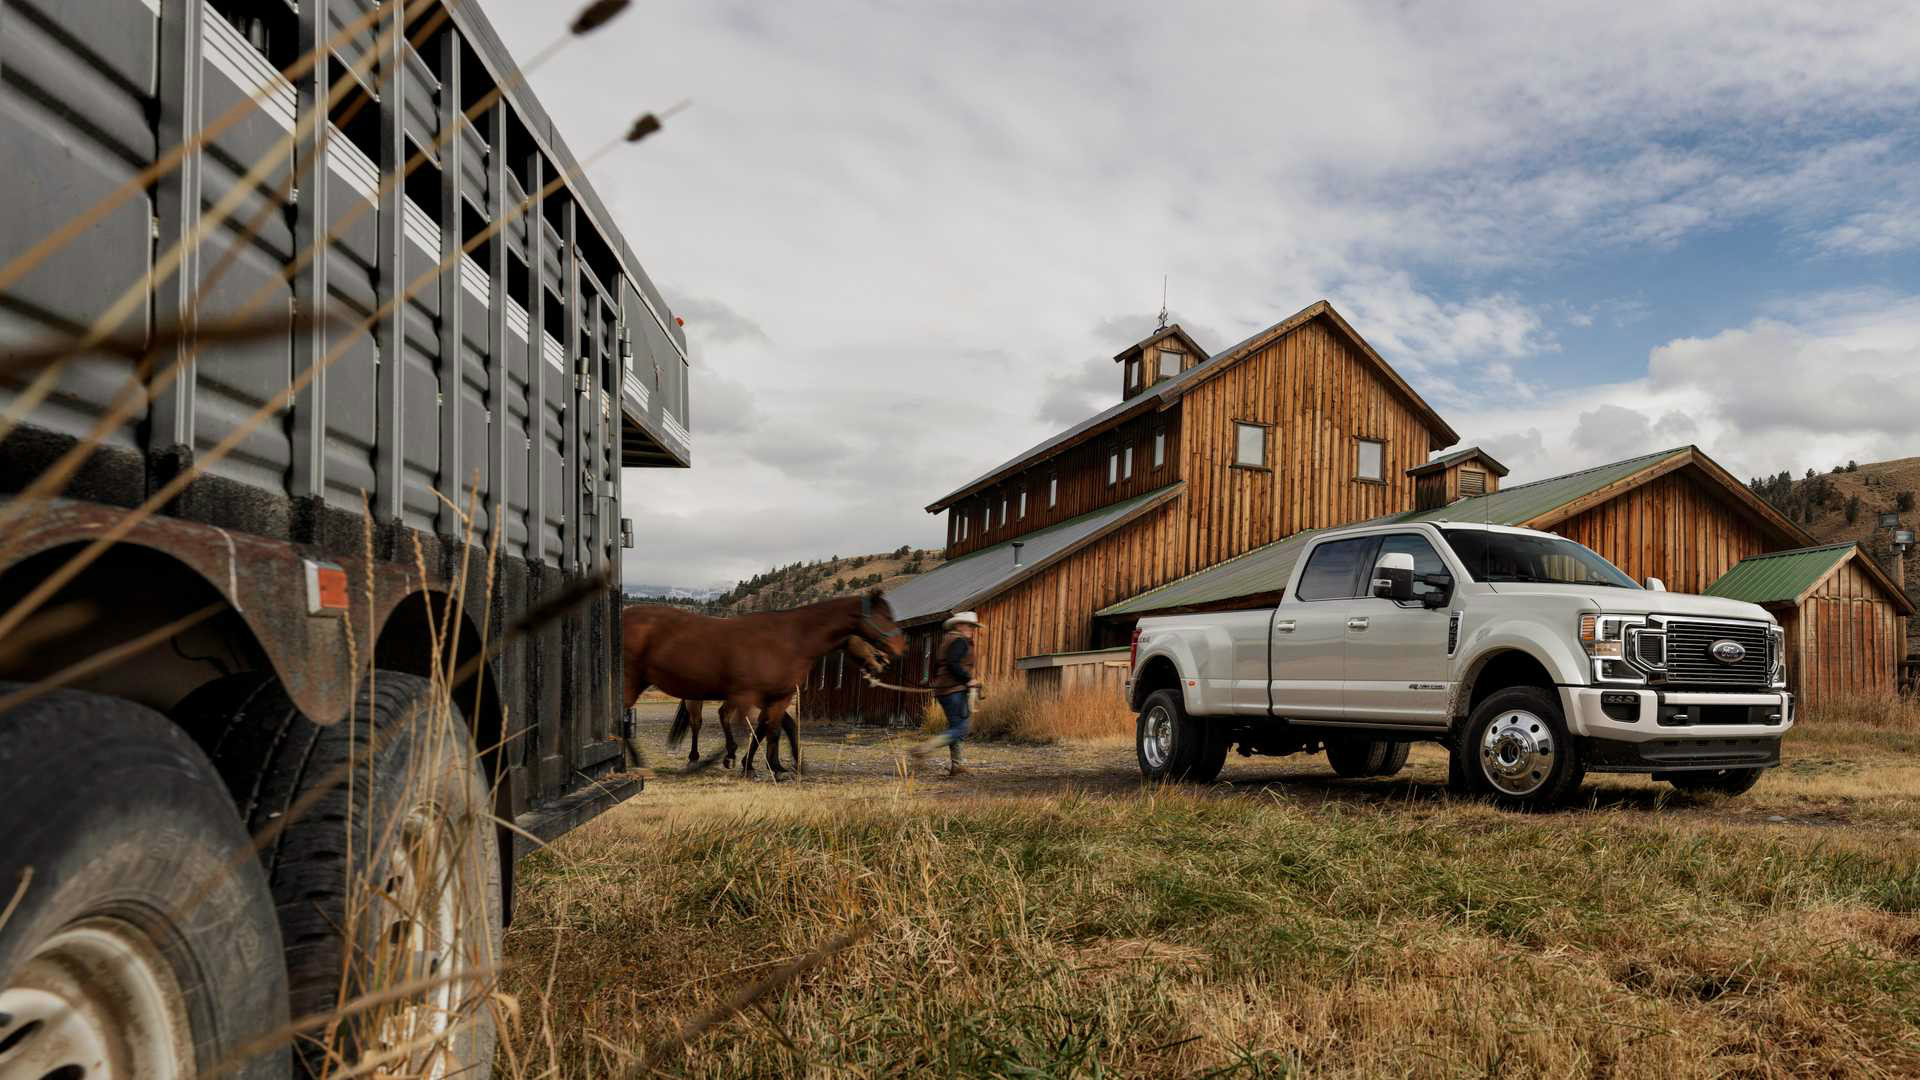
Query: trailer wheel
x,y
142,931
1355,757
1722,781
1516,748
387,871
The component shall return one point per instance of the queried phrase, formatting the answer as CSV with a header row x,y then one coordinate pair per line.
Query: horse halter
x,y
869,627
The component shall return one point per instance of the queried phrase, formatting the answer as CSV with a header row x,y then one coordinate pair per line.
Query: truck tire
x,y
1171,745
1354,756
138,904
1396,758
414,823
1516,749
1162,741
1721,781
1211,755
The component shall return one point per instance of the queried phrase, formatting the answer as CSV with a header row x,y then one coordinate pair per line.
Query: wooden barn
x,y
1844,618
1675,515
1199,489
1205,457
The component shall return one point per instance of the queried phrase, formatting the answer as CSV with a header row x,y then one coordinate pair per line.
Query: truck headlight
x,y
1605,636
1776,656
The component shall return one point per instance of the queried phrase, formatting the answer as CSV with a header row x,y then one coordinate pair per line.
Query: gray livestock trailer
x,y
276,556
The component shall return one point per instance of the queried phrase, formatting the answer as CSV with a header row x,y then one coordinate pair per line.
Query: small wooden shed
x,y
1842,614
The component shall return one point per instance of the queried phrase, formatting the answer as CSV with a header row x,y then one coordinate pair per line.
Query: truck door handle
x,y
1357,623
1284,626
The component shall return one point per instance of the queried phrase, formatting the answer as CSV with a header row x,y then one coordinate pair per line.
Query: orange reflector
x,y
326,588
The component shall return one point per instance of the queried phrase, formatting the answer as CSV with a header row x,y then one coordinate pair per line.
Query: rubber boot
x,y
954,768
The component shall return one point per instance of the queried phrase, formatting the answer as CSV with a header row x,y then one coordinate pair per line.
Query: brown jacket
x,y
945,678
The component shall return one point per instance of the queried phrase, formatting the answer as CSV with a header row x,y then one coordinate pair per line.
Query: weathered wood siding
x,y
1320,396
1083,484
1675,528
1436,489
1049,613
1845,640
1053,611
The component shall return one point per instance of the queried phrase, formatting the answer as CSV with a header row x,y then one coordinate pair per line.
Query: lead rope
x,y
878,685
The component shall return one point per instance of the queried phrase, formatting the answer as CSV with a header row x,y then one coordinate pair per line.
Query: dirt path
x,y
1818,787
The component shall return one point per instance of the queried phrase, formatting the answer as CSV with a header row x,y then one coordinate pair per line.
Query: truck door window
x,y
1425,559
1333,570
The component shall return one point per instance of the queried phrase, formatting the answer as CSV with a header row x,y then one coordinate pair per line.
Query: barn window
x,y
1159,448
1053,492
965,520
1372,465
1023,504
1133,374
1113,467
1126,463
1003,511
1250,445
926,658
1473,482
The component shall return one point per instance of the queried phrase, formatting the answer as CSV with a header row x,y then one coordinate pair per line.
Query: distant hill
x,y
1845,502
821,579
693,594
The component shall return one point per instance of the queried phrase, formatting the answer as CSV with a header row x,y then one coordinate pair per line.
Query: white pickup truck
x,y
1532,659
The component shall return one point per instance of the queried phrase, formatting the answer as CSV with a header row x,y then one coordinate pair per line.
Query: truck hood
x,y
1642,601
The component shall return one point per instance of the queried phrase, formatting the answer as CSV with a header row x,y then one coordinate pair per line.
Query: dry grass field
x,y
1050,916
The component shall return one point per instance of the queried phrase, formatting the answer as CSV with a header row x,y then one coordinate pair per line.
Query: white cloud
x,y
1838,383
920,216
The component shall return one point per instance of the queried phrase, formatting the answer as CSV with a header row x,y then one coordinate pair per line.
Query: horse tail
x,y
681,722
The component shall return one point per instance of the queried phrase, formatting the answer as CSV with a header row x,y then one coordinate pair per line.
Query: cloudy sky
x,y
907,237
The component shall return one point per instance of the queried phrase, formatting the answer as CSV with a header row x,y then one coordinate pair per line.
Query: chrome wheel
x,y
1516,752
1156,737
418,940
96,1001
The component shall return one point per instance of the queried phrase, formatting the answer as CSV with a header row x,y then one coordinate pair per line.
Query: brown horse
x,y
689,716
750,661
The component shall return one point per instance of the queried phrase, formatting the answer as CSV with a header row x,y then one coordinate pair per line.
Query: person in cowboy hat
x,y
951,683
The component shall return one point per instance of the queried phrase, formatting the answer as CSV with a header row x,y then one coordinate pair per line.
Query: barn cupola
x,y
1156,358
1452,477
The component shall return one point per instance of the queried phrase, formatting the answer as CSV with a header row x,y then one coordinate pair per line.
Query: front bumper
x,y
1643,716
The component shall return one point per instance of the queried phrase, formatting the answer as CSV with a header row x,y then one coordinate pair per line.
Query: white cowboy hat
x,y
960,617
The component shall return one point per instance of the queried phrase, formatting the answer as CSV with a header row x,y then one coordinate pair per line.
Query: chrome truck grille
x,y
1691,659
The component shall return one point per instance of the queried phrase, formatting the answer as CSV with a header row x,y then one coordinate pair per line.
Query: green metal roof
x,y
1267,569
976,575
1521,503
1780,577
1262,570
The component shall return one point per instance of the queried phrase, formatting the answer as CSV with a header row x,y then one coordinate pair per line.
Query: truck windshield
x,y
1498,556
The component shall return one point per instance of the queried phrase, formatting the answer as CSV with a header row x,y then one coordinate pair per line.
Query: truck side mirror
x,y
1393,576
1440,592
1654,584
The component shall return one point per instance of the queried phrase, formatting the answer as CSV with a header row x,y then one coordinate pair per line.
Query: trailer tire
x,y
415,822
1720,781
1356,756
138,905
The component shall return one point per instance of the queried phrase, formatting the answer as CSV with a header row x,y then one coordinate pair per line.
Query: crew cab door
x,y
1397,666
1308,647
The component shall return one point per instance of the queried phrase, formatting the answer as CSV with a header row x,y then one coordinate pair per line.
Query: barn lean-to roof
x,y
1789,577
980,575
1540,504
1165,393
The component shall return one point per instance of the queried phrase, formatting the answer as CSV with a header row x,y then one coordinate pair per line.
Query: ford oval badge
x,y
1727,652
